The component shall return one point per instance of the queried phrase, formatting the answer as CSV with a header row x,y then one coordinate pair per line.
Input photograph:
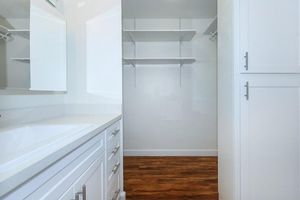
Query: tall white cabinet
x,y
260,145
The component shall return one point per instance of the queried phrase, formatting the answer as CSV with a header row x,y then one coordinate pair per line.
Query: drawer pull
x,y
116,167
116,149
115,132
83,193
116,194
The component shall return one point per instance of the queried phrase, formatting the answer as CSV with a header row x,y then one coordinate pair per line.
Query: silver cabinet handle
x,y
246,61
116,194
115,132
247,90
115,169
83,193
116,149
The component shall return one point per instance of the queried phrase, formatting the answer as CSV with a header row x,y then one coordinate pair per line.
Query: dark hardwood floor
x,y
171,178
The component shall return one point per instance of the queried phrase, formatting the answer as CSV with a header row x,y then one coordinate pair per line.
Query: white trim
x,y
123,195
170,152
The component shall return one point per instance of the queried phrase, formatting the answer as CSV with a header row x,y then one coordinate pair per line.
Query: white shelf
x,y
8,32
21,32
156,61
212,27
158,35
24,60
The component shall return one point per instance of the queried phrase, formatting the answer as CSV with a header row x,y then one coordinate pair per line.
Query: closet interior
x,y
170,77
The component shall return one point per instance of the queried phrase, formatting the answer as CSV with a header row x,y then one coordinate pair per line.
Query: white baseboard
x,y
170,152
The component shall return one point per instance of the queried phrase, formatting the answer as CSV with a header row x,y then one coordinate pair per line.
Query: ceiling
x,y
15,8
169,8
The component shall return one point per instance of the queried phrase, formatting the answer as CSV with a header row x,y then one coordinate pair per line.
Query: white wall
x,y
160,116
95,72
226,101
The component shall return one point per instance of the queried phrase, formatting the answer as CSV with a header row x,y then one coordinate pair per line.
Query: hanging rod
x,y
5,33
5,37
213,35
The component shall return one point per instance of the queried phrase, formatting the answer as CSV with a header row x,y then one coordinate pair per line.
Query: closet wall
x,y
170,110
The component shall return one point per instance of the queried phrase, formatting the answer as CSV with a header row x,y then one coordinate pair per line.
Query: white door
x,y
269,32
270,138
92,181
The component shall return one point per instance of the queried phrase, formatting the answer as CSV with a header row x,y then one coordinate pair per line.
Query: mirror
x,y
32,46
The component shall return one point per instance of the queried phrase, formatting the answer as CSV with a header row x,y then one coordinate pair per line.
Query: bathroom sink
x,y
20,143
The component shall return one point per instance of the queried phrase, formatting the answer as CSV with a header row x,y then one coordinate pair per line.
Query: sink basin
x,y
15,143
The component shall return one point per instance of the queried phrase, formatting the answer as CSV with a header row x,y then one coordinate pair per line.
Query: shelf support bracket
x,y
180,74
131,38
134,75
134,68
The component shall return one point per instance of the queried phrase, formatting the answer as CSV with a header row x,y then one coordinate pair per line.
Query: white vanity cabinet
x,y
90,172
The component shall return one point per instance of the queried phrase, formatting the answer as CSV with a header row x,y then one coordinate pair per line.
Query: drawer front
x,y
113,190
39,185
112,132
113,149
113,166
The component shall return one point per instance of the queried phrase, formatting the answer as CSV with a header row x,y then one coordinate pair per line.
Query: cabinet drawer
x,y
113,191
113,165
112,132
113,149
62,174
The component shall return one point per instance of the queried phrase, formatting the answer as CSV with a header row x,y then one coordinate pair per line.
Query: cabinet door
x,y
92,181
269,32
47,48
270,139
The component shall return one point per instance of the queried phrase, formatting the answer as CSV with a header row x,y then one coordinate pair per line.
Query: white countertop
x,y
28,149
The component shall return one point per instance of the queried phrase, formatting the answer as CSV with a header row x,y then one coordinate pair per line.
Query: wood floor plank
x,y
171,178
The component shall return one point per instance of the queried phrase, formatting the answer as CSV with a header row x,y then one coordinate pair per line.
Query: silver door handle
x,y
83,193
116,167
116,194
115,132
116,149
